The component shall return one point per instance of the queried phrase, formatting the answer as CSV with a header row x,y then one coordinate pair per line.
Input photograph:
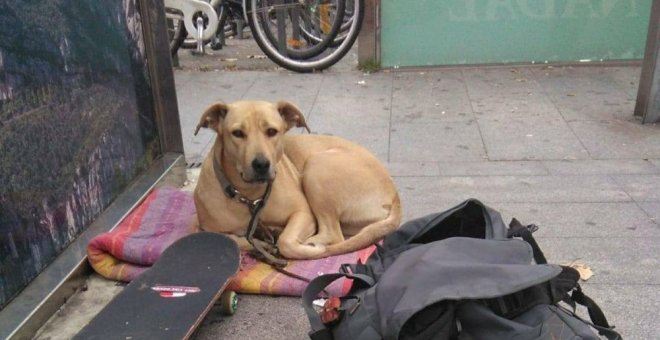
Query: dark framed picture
x,y
86,104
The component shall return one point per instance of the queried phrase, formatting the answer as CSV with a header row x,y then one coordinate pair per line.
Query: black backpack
x,y
459,274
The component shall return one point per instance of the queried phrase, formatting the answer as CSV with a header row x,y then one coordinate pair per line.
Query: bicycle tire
x,y
318,45
321,62
348,17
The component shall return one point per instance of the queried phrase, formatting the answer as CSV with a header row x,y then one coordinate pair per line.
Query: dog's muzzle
x,y
261,169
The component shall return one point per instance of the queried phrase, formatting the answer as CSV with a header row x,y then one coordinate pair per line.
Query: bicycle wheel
x,y
263,20
176,31
323,17
349,13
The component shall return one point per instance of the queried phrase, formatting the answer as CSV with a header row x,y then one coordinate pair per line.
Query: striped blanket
x,y
168,214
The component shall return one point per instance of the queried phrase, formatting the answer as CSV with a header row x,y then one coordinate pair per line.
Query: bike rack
x,y
189,8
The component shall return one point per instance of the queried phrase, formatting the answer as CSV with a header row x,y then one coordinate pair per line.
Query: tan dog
x,y
323,187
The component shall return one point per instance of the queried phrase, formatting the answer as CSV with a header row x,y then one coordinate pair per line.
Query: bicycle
x,y
236,10
231,14
299,35
182,17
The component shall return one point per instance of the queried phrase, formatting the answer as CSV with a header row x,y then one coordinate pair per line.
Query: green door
x,y
449,32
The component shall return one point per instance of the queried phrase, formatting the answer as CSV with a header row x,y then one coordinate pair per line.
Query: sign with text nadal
x,y
427,32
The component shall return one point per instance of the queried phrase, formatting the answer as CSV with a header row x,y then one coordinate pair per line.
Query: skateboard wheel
x,y
228,302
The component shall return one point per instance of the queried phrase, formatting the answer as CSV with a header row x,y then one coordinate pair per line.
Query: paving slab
x,y
484,81
531,139
436,141
640,187
358,85
652,209
601,167
585,93
493,168
623,260
225,86
507,94
622,219
531,189
258,317
430,97
299,89
79,309
366,123
627,77
424,195
616,139
414,169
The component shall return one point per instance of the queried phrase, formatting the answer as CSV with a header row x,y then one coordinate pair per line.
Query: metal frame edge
x,y
25,314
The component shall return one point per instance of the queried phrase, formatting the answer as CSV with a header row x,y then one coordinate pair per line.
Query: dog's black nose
x,y
261,165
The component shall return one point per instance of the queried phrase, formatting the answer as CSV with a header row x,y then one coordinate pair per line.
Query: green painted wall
x,y
444,32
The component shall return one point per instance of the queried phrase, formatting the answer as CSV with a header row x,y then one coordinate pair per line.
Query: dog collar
x,y
233,193
254,206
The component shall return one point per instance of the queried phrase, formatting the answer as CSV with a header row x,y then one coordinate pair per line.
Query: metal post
x,y
648,95
295,23
218,39
369,37
280,13
240,24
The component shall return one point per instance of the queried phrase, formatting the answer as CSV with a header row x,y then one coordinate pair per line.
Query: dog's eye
x,y
271,132
238,134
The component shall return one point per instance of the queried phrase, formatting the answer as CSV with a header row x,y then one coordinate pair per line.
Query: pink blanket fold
x,y
168,214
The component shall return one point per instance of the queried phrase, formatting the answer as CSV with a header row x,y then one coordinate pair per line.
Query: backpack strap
x,y
356,268
516,229
595,314
315,287
558,288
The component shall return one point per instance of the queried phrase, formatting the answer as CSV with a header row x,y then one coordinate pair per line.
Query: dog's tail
x,y
370,234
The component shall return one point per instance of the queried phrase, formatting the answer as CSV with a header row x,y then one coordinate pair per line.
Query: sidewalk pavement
x,y
554,146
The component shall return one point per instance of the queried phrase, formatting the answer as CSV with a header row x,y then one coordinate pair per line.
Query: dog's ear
x,y
291,115
212,117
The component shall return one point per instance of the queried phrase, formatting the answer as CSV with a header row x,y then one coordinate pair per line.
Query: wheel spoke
x,y
306,36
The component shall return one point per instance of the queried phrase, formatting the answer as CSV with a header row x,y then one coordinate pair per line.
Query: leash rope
x,y
255,207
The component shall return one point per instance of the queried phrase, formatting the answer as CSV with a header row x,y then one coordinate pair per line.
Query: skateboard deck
x,y
170,300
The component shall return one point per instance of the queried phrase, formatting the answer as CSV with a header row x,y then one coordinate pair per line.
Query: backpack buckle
x,y
331,312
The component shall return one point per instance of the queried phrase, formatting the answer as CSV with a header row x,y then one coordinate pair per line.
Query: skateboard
x,y
170,300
